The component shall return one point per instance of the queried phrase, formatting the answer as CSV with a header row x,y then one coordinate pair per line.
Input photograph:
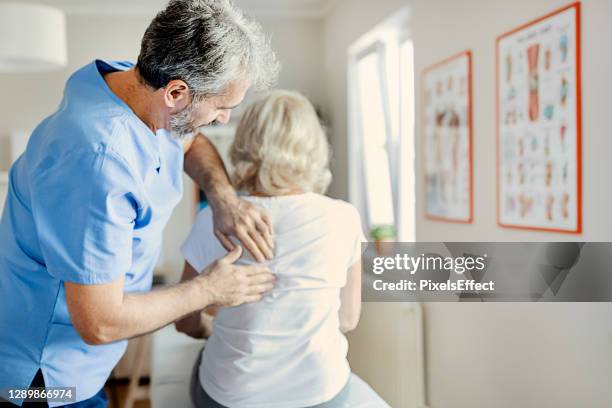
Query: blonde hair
x,y
280,145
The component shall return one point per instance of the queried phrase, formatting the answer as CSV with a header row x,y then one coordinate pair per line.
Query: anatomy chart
x,y
447,139
538,93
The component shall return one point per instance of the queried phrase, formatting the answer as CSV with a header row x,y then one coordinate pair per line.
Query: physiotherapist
x,y
88,200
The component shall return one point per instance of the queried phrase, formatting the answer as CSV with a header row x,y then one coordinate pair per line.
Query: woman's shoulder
x,y
310,205
339,214
341,206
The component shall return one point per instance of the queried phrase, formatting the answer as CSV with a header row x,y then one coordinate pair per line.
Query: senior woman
x,y
287,350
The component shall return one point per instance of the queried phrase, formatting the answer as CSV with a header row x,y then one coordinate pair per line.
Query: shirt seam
x,y
49,325
104,150
112,151
101,151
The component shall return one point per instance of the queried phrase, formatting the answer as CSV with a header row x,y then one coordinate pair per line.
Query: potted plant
x,y
380,234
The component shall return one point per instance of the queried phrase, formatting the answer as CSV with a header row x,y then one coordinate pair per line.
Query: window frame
x,y
377,48
398,139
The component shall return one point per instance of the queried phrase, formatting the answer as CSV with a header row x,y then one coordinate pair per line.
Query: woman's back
x,y
286,350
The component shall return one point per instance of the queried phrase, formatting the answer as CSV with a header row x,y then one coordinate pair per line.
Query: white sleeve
x,y
194,248
358,237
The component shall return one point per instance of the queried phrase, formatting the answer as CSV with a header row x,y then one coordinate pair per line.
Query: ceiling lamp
x,y
32,38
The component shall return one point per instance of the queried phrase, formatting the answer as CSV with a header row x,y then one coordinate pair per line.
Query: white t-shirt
x,y
287,349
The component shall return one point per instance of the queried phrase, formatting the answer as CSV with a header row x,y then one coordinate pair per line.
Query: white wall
x,y
514,354
508,355
297,42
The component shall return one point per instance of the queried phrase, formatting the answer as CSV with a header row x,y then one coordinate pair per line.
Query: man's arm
x,y
103,313
232,216
197,324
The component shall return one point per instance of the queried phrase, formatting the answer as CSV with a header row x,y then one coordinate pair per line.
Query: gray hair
x,y
207,44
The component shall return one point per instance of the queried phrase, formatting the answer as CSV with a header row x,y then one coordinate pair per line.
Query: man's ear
x,y
176,94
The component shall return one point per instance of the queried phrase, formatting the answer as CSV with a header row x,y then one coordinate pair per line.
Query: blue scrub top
x,y
87,203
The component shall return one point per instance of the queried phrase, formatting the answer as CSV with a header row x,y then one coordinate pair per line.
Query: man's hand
x,y
222,284
248,223
229,285
232,215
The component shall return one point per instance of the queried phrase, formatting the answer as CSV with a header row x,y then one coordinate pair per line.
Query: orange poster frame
x,y
578,62
463,54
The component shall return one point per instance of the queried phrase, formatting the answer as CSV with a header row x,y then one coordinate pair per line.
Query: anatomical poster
x,y
538,124
447,139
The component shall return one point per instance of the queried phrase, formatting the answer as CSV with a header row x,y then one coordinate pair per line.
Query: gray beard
x,y
181,126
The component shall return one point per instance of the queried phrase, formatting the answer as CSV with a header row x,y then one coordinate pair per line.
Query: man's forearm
x,y
102,313
204,165
142,313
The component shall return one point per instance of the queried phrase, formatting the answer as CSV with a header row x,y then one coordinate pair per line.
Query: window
x,y
406,168
373,133
381,128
